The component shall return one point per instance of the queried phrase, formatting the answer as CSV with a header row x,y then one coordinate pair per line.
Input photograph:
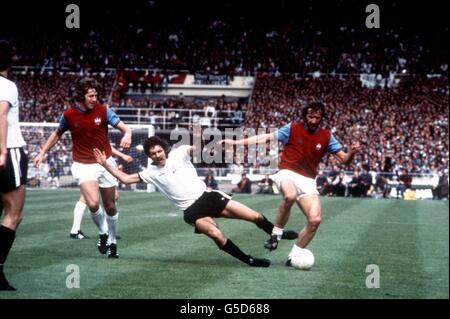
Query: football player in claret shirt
x,y
87,120
305,144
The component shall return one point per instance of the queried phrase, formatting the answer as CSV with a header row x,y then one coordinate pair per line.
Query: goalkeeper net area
x,y
55,171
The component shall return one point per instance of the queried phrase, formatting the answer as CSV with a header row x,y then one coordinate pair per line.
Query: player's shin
x,y
78,213
112,228
265,225
235,251
7,237
100,221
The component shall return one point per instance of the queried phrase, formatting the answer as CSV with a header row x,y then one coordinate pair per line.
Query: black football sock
x,y
7,237
234,251
265,225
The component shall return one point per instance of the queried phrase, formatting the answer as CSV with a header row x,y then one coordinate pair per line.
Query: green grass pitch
x,y
161,257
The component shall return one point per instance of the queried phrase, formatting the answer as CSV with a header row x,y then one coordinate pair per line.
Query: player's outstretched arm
x,y
52,140
346,158
100,157
261,138
123,156
126,139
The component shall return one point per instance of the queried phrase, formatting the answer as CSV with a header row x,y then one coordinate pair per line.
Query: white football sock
x,y
100,221
78,213
277,231
112,227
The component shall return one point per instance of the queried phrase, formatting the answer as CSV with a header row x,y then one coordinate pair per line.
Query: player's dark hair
x,y
313,106
6,55
81,87
153,141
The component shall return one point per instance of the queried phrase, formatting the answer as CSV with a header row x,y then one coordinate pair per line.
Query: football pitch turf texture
x,y
162,258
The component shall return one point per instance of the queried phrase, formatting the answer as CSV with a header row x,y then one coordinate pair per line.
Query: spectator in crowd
x,y
356,186
210,181
366,182
243,186
404,182
322,183
381,186
265,186
441,189
339,184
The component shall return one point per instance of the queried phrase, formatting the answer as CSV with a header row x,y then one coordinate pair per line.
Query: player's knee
x,y
111,209
314,221
13,219
93,207
215,234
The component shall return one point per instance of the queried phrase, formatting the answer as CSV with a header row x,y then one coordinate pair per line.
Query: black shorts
x,y
211,204
15,173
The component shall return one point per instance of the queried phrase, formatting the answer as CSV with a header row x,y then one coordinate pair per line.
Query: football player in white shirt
x,y
13,161
175,176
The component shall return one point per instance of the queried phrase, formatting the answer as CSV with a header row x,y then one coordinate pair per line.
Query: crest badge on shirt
x,y
299,141
98,121
318,147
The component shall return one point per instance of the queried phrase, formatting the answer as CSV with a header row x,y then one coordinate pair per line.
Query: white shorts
x,y
303,184
94,172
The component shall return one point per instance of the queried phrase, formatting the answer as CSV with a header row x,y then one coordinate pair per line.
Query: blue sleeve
x,y
63,126
333,146
283,133
112,117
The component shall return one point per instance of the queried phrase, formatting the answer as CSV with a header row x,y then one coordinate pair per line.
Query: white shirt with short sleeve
x,y
177,180
9,93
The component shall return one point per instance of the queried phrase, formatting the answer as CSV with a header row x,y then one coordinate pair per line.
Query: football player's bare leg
x,y
207,226
310,206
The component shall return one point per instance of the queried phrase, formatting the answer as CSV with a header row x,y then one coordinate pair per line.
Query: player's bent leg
x,y
310,206
207,226
78,212
289,192
89,190
109,202
12,203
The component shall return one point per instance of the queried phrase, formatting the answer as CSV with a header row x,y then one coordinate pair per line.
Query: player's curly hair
x,y
154,141
6,55
81,87
315,106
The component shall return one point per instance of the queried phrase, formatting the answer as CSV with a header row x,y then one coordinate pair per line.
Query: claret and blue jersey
x,y
89,130
304,149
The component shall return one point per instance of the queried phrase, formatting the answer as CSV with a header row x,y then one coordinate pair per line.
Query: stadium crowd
x,y
298,53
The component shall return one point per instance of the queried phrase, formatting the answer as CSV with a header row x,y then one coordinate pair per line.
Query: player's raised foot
x,y
258,262
4,284
271,243
112,253
79,235
288,262
289,235
102,243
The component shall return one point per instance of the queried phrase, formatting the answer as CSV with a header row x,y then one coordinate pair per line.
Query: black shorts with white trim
x,y
211,204
15,173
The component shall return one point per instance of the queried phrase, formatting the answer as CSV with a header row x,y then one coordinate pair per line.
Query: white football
x,y
303,259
